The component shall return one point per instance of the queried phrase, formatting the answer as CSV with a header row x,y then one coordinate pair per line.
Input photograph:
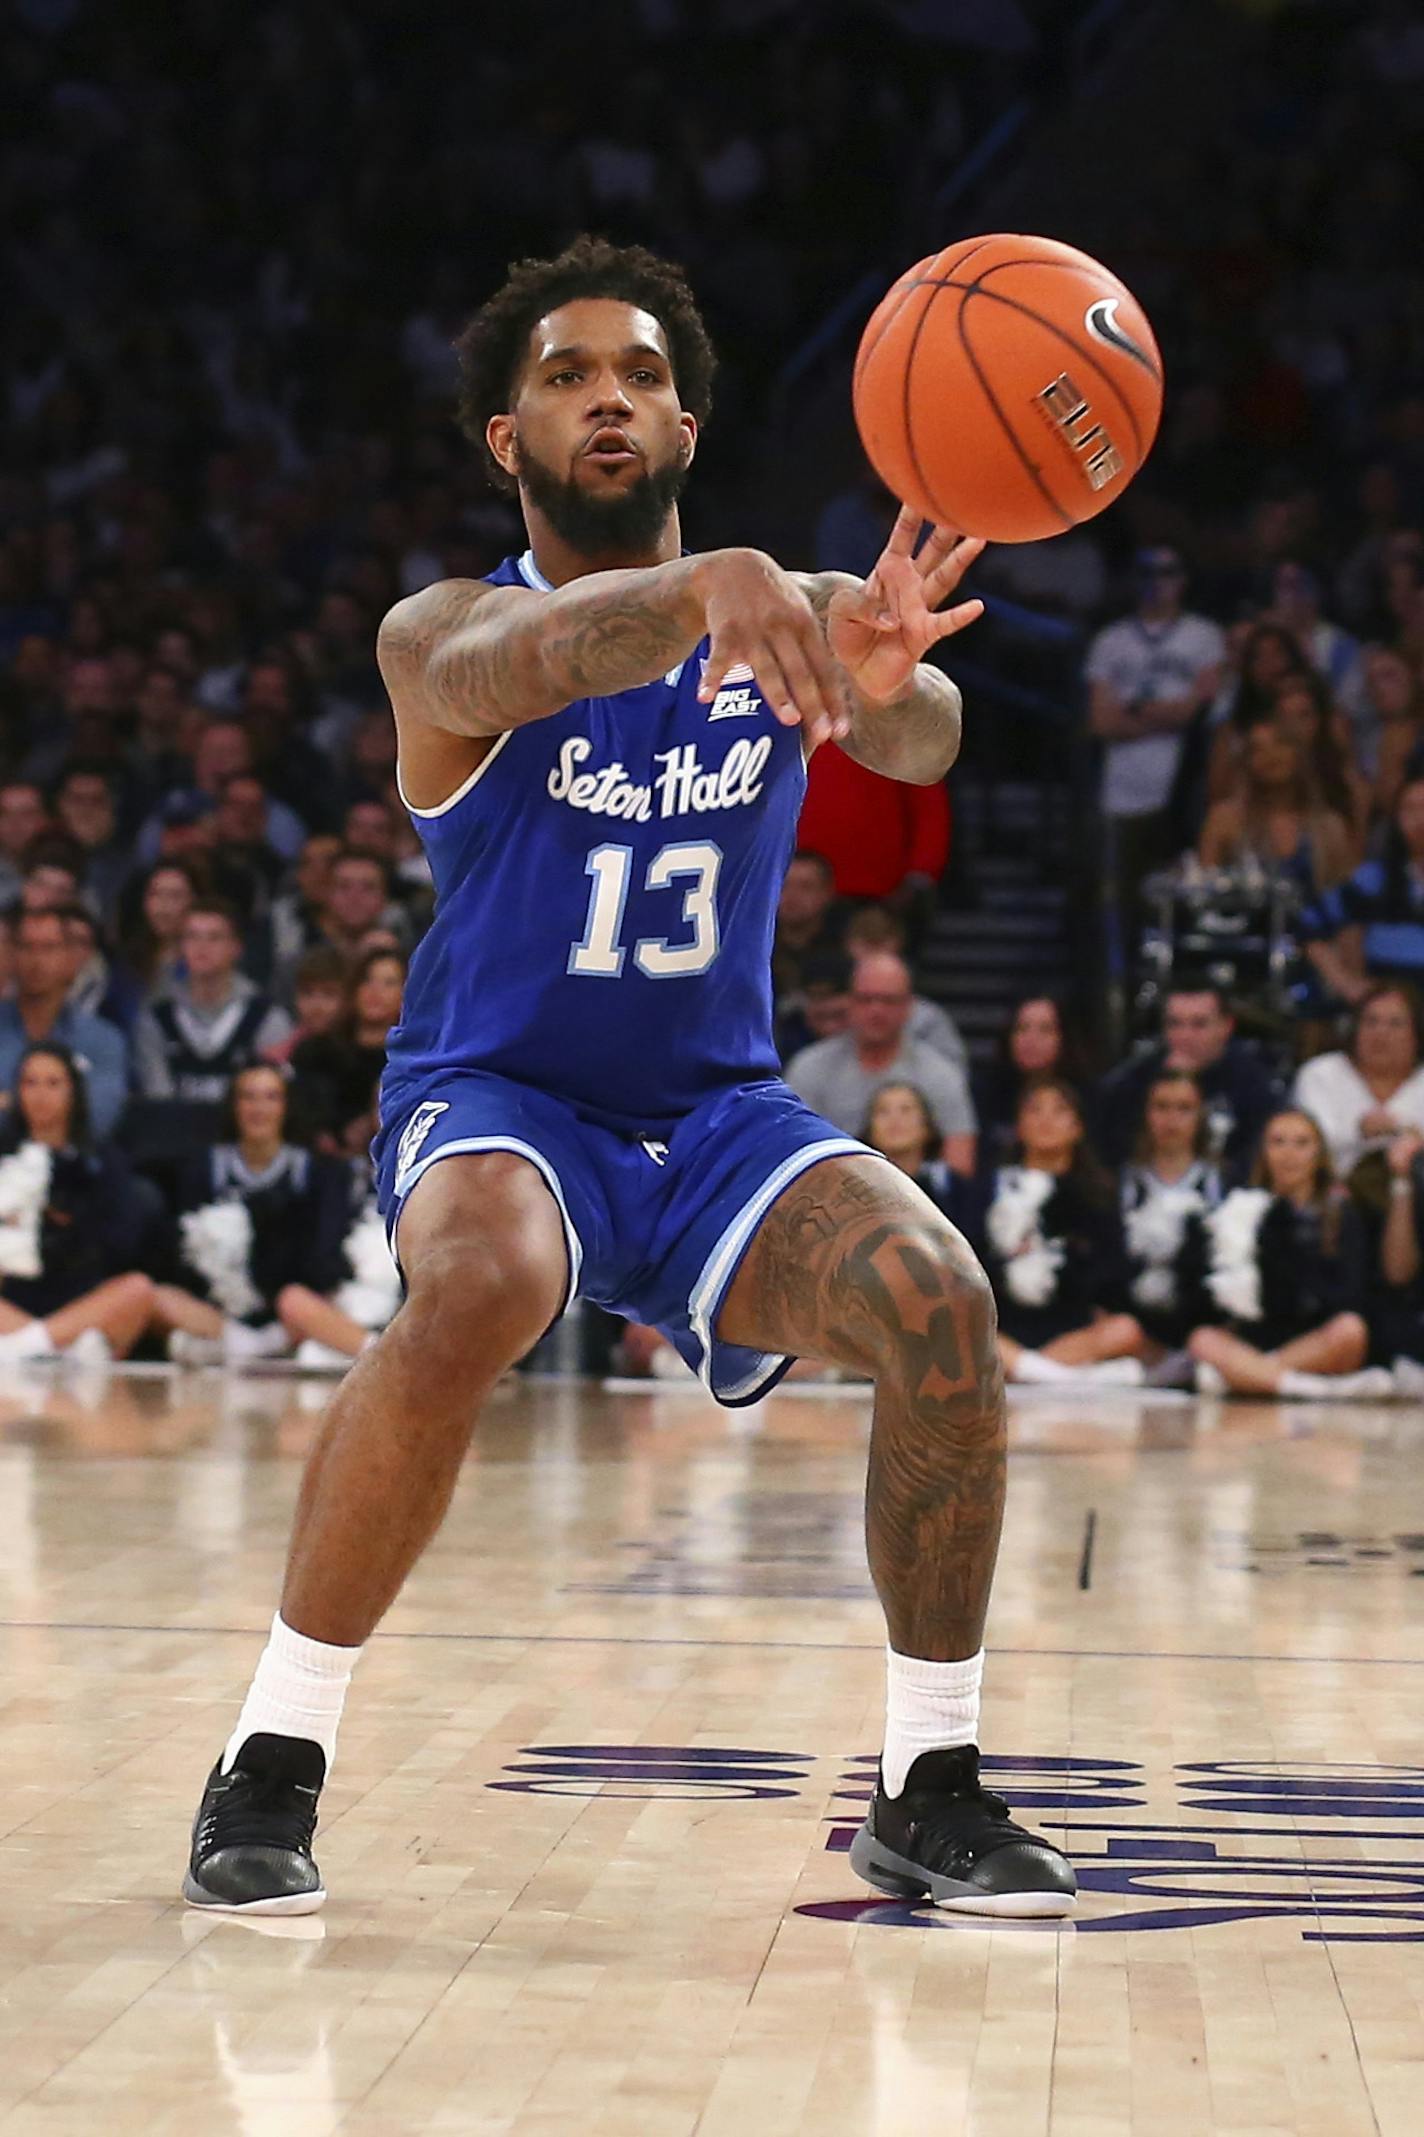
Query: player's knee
x,y
935,1291
480,1302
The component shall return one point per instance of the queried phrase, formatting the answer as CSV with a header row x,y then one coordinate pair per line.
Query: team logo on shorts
x,y
421,1121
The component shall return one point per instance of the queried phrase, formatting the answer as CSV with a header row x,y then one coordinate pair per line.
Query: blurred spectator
x,y
1372,925
1149,676
1265,654
75,1227
152,944
821,1007
1164,1195
194,1037
1396,698
40,1009
1306,711
901,1125
222,750
355,899
1365,1096
336,1074
883,838
875,927
1053,1250
1398,1318
1034,1042
54,871
1331,651
1273,821
254,1214
321,988
95,986
1198,1036
295,918
839,1077
1287,1271
22,818
807,921
86,809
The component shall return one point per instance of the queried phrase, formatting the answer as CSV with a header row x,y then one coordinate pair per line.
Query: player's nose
x,y
609,397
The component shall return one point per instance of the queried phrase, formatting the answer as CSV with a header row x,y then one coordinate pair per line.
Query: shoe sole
x,y
905,1880
280,1902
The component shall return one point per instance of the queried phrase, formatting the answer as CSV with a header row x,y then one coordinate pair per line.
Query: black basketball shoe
x,y
252,1837
946,1836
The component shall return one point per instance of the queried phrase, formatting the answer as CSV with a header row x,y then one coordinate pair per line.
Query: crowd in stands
x,y
238,254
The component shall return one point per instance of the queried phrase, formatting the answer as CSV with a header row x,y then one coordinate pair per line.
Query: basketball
x,y
1008,386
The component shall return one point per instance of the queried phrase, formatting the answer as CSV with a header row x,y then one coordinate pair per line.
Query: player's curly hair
x,y
494,344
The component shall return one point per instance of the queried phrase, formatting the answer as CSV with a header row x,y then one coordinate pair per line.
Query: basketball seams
x,y
919,474
1050,326
867,350
1064,266
1007,428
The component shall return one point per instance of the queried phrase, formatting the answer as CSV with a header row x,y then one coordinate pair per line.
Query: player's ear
x,y
501,439
687,442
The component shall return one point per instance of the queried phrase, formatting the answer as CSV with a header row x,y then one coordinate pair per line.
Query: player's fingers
x,y
721,655
935,547
947,575
902,534
811,680
772,683
951,620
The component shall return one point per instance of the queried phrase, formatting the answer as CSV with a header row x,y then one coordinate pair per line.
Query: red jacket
x,y
874,831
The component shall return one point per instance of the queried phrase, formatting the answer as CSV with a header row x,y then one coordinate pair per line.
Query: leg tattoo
x,y
854,1264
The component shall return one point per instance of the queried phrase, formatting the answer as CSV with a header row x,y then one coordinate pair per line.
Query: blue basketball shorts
x,y
655,1230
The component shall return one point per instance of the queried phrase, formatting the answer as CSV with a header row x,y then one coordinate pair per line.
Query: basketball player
x,y
603,748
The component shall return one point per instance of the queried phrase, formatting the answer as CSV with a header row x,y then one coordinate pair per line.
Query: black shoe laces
x,y
259,1810
963,1824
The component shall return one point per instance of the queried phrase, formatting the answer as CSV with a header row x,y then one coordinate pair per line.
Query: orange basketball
x,y
1008,386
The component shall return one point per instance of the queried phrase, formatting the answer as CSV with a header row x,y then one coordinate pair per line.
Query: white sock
x,y
32,1340
1116,1373
299,1690
1209,1378
1033,1369
1373,1381
240,1341
929,1706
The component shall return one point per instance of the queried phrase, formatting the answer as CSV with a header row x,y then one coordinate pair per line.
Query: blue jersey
x,y
606,891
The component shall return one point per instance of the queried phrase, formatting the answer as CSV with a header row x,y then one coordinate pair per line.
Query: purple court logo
x,y
1337,1848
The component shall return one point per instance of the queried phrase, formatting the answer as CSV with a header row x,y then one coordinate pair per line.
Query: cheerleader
x,y
72,1220
1164,1197
902,1127
328,1332
1286,1267
1053,1248
254,1214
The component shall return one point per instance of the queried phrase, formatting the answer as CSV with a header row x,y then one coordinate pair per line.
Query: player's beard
x,y
625,522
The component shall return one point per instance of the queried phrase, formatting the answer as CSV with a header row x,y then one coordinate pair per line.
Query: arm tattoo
x,y
854,1265
915,736
478,660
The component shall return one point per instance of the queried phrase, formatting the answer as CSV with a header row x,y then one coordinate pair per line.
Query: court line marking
x,y
813,1647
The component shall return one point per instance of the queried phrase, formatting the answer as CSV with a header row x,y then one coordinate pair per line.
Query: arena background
x,y
237,244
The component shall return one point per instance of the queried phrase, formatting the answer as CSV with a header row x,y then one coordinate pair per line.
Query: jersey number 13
x,y
600,954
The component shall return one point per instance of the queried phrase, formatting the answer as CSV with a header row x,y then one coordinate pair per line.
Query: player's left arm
x,y
905,715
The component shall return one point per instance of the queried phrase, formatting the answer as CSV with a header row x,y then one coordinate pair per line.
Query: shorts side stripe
x,y
464,1144
721,1264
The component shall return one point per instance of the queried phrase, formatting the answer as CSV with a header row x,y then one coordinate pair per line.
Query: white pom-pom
x,y
1234,1277
217,1243
24,1191
372,1292
1031,1262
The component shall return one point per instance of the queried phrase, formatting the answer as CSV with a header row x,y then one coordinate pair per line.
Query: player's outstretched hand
x,y
759,618
881,630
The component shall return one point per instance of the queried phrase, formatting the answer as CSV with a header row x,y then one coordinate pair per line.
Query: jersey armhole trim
x,y
465,785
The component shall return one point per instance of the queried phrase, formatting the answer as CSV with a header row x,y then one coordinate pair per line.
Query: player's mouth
x,y
611,447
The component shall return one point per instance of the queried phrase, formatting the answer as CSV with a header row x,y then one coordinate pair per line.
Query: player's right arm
x,y
477,660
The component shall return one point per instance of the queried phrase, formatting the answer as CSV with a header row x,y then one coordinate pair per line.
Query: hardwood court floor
x,y
585,1839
